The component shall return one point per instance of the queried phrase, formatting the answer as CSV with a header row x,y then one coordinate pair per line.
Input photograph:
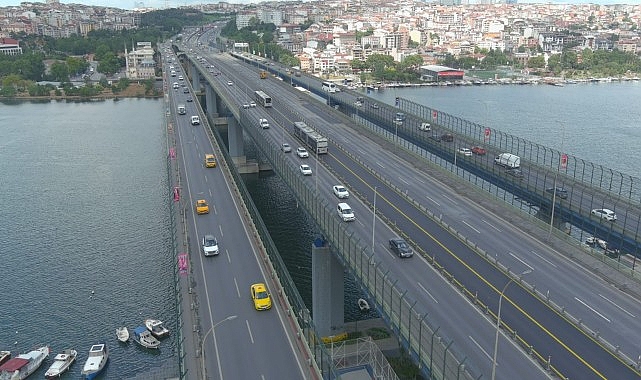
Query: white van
x,y
345,212
195,120
508,160
425,127
181,109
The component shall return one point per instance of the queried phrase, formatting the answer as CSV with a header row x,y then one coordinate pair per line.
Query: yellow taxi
x,y
202,207
210,161
260,296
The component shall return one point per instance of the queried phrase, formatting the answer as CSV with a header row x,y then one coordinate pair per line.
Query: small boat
x,y
157,328
4,356
61,363
143,337
123,334
23,365
362,304
98,358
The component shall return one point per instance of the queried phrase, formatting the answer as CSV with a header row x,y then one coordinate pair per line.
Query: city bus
x,y
329,86
263,99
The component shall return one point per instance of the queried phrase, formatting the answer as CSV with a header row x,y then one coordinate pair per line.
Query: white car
x,y
605,213
302,152
210,245
245,105
465,151
252,104
340,191
264,124
286,148
305,169
230,83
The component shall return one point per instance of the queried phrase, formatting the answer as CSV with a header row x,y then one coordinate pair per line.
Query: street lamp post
x,y
202,346
498,320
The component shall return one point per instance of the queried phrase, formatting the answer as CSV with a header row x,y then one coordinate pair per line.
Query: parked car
x,y
560,192
400,247
605,213
479,150
340,191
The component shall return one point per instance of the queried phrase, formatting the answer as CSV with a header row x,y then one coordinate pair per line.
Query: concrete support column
x,y
211,103
327,291
196,80
235,134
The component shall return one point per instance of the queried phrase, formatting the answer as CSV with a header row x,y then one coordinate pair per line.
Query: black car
x,y
190,99
560,192
400,247
516,173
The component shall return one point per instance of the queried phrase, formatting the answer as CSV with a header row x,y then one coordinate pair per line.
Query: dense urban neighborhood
x,y
400,42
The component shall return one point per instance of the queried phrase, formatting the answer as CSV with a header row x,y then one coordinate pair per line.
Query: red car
x,y
478,150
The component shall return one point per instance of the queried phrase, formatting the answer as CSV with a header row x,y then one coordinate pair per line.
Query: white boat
x,y
4,356
123,334
157,328
98,358
362,304
143,337
61,363
23,365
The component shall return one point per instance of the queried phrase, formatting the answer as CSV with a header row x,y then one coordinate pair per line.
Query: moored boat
x,y
4,356
123,334
98,358
143,337
157,328
23,365
61,363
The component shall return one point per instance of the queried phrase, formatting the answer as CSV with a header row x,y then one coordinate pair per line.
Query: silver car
x,y
210,245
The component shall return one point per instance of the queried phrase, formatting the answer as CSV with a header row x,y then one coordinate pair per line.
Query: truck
x,y
508,160
263,74
314,140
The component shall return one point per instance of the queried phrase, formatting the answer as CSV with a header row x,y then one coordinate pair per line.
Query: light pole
x,y
556,175
498,320
202,346
373,222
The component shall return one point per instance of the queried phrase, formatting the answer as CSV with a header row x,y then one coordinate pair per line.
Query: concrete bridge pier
x,y
195,78
237,148
211,102
327,292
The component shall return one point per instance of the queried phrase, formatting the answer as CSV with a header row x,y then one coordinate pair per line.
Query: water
x,y
84,224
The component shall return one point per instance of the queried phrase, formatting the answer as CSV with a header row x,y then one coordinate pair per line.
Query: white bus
x,y
329,86
263,99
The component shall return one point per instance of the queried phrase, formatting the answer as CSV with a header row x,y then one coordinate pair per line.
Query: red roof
x,y
14,364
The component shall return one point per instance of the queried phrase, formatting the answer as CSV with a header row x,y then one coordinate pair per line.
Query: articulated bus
x,y
329,86
263,99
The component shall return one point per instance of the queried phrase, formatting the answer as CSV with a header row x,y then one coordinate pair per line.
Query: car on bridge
x,y
210,161
230,83
479,150
465,152
605,213
340,191
286,148
305,169
210,245
302,152
202,207
260,296
560,192
400,247
195,120
516,173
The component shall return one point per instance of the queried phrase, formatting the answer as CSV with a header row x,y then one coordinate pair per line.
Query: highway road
x,y
241,347
515,248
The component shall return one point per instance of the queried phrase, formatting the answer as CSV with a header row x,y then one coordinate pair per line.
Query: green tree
x,y
537,62
60,71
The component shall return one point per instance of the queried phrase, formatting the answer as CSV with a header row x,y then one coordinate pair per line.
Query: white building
x,y
140,61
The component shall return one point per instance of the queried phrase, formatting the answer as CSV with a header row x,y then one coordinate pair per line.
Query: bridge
x,y
447,335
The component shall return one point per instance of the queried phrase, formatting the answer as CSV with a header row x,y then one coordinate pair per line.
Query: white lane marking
x,y
404,181
435,202
361,151
520,260
449,199
419,180
427,292
251,337
228,257
490,224
544,259
206,179
467,224
480,348
592,309
220,227
210,194
619,307
237,288
379,164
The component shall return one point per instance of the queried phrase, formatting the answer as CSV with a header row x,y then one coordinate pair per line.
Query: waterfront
x,y
85,206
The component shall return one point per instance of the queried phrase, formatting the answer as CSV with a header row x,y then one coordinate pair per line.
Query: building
x,y
9,46
436,73
140,61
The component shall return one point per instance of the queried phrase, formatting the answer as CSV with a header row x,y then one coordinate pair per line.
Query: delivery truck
x,y
508,160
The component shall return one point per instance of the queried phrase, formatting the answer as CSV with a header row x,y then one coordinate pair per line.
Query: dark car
x,y
516,173
400,247
436,138
448,137
560,192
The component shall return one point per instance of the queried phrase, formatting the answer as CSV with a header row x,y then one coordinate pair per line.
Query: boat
x,y
157,328
143,337
4,356
98,358
23,365
363,305
61,363
123,334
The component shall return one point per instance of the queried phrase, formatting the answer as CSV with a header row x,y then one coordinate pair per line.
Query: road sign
x,y
487,134
564,161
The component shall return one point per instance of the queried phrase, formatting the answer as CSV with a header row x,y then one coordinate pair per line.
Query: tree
x,y
60,71
537,62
